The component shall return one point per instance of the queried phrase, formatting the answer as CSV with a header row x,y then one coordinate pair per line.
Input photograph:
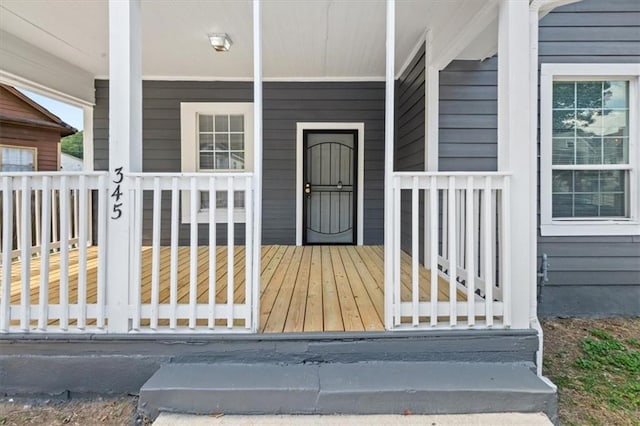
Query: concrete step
x,y
381,387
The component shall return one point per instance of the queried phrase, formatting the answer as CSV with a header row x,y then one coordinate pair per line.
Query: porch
x,y
303,289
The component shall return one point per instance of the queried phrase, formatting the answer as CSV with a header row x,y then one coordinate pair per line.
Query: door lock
x,y
307,188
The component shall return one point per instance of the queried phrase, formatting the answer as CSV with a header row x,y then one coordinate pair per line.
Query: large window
x,y
589,155
17,159
216,137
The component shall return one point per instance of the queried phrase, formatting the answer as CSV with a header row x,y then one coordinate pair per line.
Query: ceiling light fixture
x,y
220,42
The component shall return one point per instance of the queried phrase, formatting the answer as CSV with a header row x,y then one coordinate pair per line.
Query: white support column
x,y
517,150
431,110
125,150
257,162
388,166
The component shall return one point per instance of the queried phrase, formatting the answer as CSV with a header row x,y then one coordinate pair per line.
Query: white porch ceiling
x,y
305,39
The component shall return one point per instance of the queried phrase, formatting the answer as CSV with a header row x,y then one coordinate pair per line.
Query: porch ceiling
x,y
302,39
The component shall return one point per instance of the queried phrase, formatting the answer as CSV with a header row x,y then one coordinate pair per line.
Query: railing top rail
x,y
189,175
455,174
53,174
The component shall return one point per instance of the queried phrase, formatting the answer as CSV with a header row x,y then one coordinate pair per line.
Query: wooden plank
x,y
298,305
270,294
313,319
371,321
350,314
276,321
373,284
332,315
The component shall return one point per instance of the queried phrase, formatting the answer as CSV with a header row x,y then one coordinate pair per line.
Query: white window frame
x,y
25,148
576,72
189,112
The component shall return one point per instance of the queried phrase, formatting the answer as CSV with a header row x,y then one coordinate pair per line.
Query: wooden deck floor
x,y
303,289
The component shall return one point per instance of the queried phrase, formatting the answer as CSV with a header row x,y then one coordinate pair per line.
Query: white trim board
x,y
300,128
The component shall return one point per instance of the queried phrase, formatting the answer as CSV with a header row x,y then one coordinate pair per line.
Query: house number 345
x,y
116,195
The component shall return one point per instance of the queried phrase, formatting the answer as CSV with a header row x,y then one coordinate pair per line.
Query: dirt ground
x,y
563,339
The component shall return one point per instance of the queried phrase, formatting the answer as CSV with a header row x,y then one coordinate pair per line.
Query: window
x,y
589,149
17,159
216,137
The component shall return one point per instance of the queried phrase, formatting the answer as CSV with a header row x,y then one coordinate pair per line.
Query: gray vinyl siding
x,y
410,137
588,276
285,104
591,276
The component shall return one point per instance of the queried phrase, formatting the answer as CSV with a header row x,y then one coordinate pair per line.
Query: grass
x,y
597,370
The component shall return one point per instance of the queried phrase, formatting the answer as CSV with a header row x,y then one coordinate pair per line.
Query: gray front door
x,y
329,170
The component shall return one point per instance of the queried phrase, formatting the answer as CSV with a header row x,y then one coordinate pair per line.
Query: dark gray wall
x,y
592,276
589,276
285,104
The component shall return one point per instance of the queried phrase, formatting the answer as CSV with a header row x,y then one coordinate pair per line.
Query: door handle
x,y
307,188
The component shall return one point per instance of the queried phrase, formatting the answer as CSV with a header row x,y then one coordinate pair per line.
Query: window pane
x,y
612,205
222,123
562,205
588,151
612,180
204,200
206,123
588,123
563,151
222,160
615,94
206,142
615,123
237,141
206,160
586,205
237,123
222,141
564,122
221,199
17,160
562,181
586,180
589,94
237,161
616,150
563,94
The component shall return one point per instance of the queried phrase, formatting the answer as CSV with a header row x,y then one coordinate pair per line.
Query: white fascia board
x,y
30,67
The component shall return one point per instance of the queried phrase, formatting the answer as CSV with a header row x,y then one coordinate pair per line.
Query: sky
x,y
68,113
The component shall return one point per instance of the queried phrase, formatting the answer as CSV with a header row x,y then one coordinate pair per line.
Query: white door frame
x,y
301,127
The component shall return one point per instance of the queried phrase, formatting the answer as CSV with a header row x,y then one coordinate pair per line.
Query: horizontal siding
x,y
468,116
285,104
591,276
45,141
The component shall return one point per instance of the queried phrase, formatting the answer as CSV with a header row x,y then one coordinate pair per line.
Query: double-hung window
x,y
17,159
217,137
590,160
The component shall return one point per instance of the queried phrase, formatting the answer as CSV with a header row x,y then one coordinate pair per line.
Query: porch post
x,y
125,150
388,166
431,110
517,152
257,165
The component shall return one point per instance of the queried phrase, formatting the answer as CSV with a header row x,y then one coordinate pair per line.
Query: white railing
x,y
465,219
43,215
214,293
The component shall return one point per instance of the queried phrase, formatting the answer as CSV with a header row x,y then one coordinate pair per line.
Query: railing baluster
x,y
505,244
230,249
488,253
212,252
397,260
102,250
415,252
248,247
136,264
64,253
37,217
45,204
433,263
82,225
193,253
453,269
55,210
469,250
155,261
173,278
7,248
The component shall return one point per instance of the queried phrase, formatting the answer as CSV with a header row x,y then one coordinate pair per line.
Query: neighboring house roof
x,y
34,115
